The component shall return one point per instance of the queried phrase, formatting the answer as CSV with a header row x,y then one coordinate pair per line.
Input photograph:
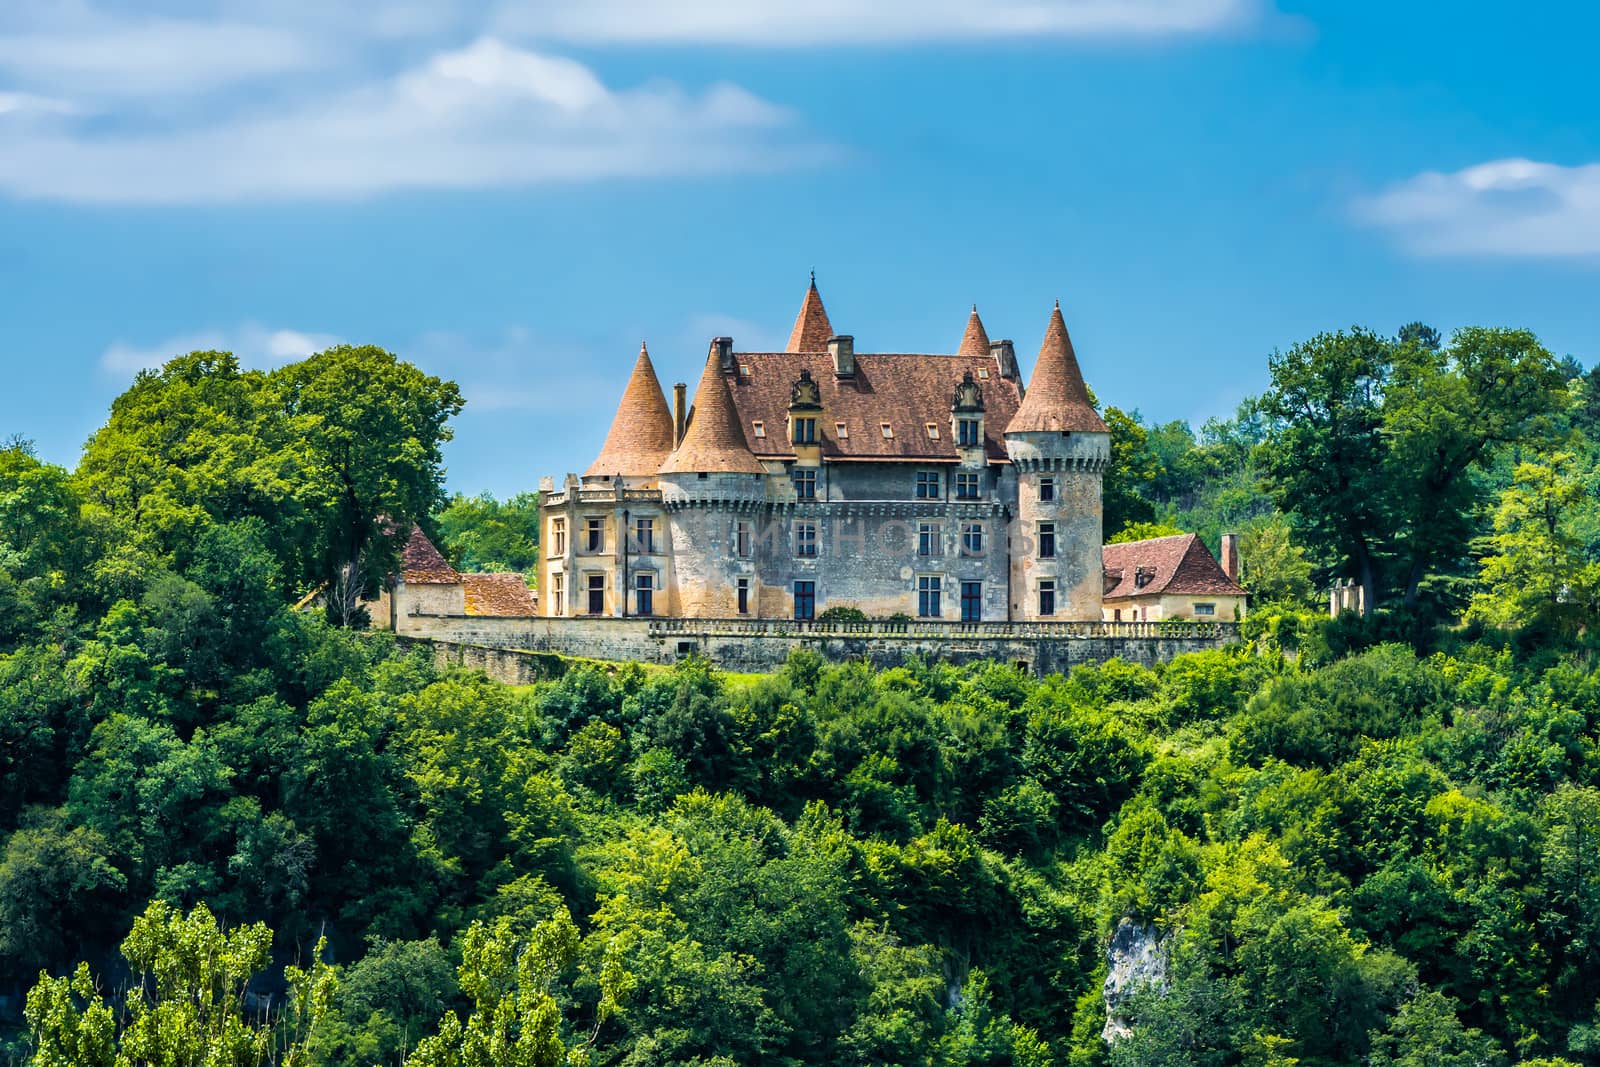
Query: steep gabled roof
x,y
499,594
975,342
1180,564
907,391
714,441
811,327
1056,399
423,564
641,432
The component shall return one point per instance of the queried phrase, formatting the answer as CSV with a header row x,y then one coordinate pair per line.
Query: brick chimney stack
x,y
1230,556
1005,355
724,349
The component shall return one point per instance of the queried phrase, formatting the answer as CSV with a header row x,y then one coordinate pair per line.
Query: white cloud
x,y
1507,207
793,23
30,103
489,114
254,344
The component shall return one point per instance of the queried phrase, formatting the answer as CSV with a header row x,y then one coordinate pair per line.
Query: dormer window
x,y
841,431
744,370
983,372
967,432
933,431
805,431
888,431
758,428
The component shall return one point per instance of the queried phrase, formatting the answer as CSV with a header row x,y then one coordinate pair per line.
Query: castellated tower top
x,y
714,443
811,327
641,432
1056,400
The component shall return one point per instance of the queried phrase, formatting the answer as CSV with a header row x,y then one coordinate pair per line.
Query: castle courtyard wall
x,y
511,648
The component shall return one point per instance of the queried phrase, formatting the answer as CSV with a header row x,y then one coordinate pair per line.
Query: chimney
x,y
1005,355
680,412
1230,556
723,346
843,350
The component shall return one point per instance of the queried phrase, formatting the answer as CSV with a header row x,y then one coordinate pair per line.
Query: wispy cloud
x,y
489,114
254,344
1508,207
793,23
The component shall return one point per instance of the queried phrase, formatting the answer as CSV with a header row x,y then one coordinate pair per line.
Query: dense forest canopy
x,y
236,831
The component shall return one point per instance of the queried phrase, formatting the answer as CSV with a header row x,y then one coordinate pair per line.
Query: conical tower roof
x,y
811,327
975,342
714,443
1056,398
641,433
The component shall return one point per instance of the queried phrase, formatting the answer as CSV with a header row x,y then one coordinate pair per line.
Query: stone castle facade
x,y
920,486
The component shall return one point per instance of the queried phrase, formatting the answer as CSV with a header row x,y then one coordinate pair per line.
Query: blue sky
x,y
514,194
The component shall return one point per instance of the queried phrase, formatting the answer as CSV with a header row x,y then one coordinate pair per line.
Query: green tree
x,y
1538,569
367,432
186,1007
1273,564
1323,454
480,533
1125,489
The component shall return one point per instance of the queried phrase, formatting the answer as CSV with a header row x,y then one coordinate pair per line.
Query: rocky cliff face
x,y
1138,960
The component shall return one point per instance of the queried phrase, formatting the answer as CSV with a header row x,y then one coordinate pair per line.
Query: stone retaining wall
x,y
515,650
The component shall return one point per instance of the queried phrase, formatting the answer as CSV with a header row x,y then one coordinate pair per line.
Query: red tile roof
x,y
1057,399
642,432
975,342
423,564
906,391
499,594
1180,564
811,327
715,441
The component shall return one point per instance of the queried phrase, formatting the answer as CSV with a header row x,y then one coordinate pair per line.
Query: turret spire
x,y
811,327
975,342
641,432
1057,399
714,443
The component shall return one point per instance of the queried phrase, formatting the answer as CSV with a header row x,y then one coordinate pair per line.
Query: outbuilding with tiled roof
x,y
1173,577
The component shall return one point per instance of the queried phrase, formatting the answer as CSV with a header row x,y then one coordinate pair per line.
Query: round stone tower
x,y
1059,447
712,487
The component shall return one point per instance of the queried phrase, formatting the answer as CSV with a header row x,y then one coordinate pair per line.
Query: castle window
x,y
805,431
933,431
971,601
741,539
1047,597
1047,540
743,586
967,432
805,601
927,485
972,539
758,428
644,535
805,483
929,539
967,485
1205,609
805,540
888,431
928,590
841,431
1047,489
558,594
644,592
558,537
983,372
744,370
594,534
597,594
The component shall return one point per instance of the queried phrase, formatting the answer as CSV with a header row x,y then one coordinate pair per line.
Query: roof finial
x,y
813,277
1058,303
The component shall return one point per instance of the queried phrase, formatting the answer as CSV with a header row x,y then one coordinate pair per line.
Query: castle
x,y
914,486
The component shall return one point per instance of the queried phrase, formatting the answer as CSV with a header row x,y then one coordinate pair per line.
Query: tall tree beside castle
x,y
335,454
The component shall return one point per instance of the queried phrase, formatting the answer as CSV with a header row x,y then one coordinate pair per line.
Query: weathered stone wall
x,y
764,646
1075,463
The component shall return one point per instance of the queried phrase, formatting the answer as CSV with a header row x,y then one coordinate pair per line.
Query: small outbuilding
x,y
1173,577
